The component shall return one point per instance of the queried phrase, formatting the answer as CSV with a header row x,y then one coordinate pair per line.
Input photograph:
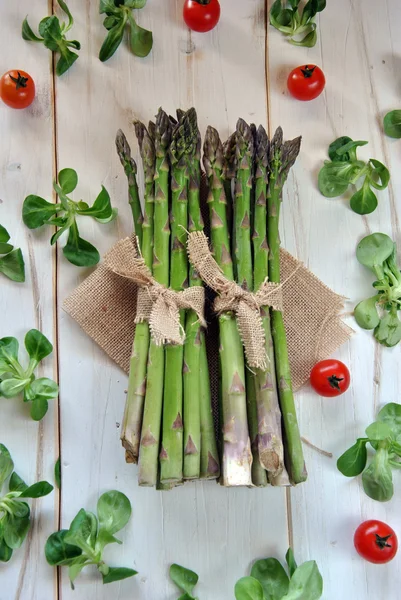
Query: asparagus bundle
x,y
168,385
168,423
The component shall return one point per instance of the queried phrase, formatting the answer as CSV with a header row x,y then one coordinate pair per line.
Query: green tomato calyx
x,y
334,382
382,541
307,72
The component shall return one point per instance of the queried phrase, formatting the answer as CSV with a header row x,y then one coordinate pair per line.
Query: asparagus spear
x,y
244,152
131,430
124,152
200,451
270,444
193,334
282,157
228,176
209,460
150,435
171,455
237,457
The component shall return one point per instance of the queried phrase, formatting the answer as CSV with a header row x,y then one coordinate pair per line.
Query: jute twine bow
x,y
246,305
155,304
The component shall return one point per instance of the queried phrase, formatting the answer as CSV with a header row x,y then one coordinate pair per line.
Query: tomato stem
x,y
203,2
20,81
334,382
308,71
382,541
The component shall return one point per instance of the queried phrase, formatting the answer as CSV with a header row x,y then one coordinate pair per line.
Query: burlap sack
x,y
104,305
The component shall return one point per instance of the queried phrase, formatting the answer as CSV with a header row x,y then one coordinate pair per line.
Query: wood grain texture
x,y
215,531
363,82
26,165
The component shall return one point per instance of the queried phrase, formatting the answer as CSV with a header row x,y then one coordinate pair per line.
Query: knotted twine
x,y
231,297
155,304
104,305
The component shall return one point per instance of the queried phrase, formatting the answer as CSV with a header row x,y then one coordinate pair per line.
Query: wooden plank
x,y
202,526
26,159
362,83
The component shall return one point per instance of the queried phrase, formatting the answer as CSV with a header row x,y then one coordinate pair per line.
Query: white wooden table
x,y
239,69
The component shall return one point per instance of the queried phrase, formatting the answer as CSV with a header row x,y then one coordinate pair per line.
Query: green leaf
x,y
39,408
110,21
391,415
141,39
113,215
65,8
309,41
377,479
57,473
6,465
184,579
12,387
44,389
271,575
379,173
37,490
66,223
113,40
37,345
83,530
364,201
78,251
248,588
108,6
334,178
75,568
344,149
388,331
16,484
306,583
366,314
66,60
104,538
15,530
101,208
50,30
27,32
5,248
58,551
12,266
68,180
290,560
113,510
5,552
19,509
36,211
378,431
392,124
4,235
353,461
118,573
135,3
374,249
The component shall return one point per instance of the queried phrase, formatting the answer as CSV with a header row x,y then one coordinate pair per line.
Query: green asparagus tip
x,y
124,152
262,151
147,149
244,145
212,151
152,130
229,157
180,114
283,155
162,132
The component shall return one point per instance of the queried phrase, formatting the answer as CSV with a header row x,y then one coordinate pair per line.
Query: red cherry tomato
x,y
306,82
201,15
376,541
330,378
17,89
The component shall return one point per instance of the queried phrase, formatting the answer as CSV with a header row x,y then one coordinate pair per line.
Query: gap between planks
x,y
290,529
58,584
